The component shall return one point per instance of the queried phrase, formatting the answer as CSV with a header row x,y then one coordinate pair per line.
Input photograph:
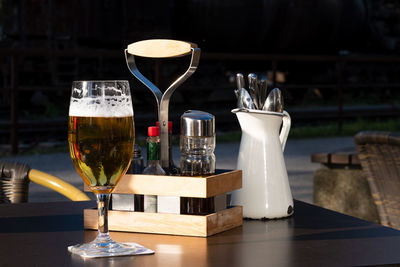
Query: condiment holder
x,y
217,185
162,48
174,224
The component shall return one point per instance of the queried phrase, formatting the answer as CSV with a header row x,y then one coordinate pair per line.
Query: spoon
x,y
274,101
245,100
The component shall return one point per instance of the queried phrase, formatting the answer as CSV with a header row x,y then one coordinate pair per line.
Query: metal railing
x,y
15,58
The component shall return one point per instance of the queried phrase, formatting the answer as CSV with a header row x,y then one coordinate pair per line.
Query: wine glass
x,y
101,139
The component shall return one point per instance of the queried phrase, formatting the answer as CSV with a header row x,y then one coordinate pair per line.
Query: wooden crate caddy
x,y
163,223
175,224
183,186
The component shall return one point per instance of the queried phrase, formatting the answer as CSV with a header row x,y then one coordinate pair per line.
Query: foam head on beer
x,y
95,103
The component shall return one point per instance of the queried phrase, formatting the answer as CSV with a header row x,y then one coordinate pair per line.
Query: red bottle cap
x,y
169,126
153,131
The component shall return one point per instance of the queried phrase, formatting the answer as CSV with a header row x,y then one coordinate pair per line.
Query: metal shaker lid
x,y
197,123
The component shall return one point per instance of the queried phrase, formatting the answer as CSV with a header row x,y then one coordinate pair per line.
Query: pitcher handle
x,y
286,123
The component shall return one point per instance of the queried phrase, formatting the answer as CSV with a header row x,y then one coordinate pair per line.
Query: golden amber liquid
x,y
101,149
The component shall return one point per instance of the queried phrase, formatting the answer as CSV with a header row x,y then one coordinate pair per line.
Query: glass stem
x,y
103,201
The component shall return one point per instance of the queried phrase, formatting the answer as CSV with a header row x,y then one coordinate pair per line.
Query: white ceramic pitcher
x,y
265,190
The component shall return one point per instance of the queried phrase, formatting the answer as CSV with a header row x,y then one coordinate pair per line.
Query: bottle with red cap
x,y
172,169
153,165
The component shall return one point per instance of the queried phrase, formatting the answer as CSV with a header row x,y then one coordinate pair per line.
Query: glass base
x,y
104,246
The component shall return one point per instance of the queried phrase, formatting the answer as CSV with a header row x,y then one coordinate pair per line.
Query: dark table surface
x,y
37,234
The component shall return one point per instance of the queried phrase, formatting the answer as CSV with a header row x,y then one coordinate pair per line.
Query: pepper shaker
x,y
197,144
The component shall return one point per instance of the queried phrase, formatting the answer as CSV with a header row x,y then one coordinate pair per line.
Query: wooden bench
x,y
341,185
341,159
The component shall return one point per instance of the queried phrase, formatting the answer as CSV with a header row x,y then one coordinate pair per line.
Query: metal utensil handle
x,y
164,105
286,123
130,62
163,99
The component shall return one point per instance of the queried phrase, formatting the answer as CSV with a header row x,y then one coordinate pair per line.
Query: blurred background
x,y
337,61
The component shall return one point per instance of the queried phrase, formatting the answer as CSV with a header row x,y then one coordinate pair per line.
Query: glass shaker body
x,y
197,160
197,146
197,157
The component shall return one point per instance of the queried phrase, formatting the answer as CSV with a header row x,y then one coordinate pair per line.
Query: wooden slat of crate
x,y
183,186
161,223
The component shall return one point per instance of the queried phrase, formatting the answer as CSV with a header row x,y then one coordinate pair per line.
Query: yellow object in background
x,y
57,185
